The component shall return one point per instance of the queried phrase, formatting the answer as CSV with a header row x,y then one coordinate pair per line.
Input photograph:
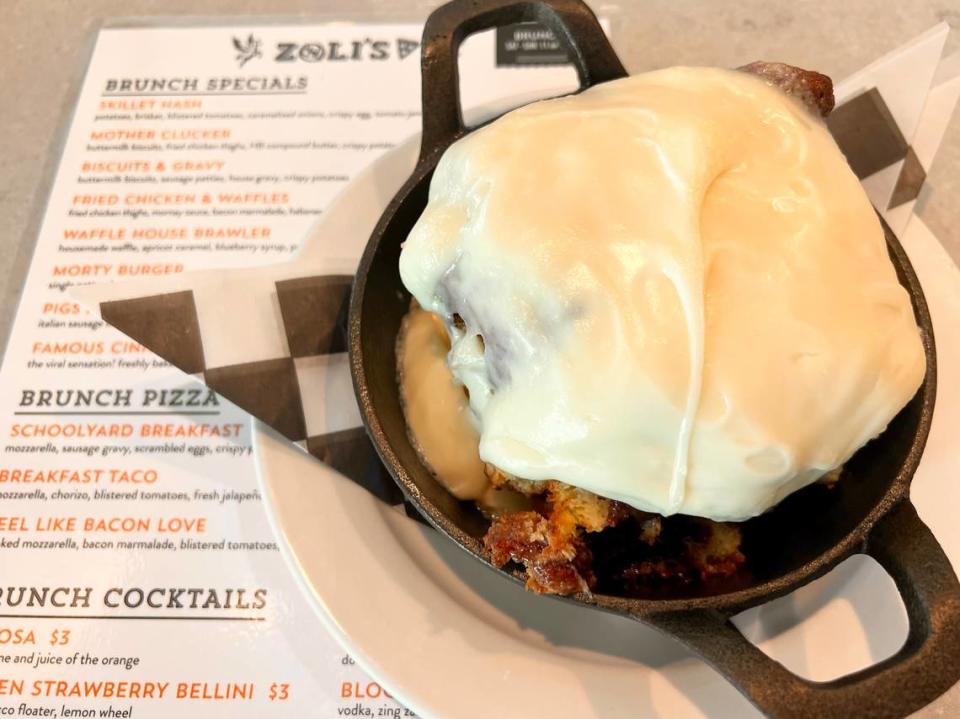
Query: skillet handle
x,y
925,667
572,22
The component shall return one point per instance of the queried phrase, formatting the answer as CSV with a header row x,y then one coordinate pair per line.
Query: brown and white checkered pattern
x,y
869,136
276,347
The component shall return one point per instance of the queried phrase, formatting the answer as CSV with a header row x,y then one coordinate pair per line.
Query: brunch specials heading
x,y
186,85
194,598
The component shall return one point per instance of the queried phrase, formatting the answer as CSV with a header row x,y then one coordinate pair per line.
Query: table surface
x,y
43,46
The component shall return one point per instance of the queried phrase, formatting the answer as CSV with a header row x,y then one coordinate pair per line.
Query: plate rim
x,y
373,667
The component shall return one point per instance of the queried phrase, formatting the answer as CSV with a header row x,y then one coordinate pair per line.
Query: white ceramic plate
x,y
449,638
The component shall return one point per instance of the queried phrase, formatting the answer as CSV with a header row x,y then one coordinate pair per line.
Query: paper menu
x,y
139,576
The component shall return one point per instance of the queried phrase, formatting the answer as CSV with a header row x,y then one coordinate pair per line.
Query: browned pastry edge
x,y
812,88
552,542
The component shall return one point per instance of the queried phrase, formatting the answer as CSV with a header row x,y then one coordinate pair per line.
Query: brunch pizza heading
x,y
113,397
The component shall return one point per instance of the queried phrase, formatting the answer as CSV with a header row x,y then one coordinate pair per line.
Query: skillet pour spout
x,y
805,536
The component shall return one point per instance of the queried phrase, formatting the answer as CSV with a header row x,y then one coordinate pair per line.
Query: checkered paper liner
x,y
272,339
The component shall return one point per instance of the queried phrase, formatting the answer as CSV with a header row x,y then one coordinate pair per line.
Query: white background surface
x,y
43,46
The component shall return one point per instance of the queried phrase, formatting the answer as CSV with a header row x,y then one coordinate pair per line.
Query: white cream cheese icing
x,y
683,293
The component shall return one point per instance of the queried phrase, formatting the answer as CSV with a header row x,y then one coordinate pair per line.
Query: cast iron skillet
x,y
868,512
